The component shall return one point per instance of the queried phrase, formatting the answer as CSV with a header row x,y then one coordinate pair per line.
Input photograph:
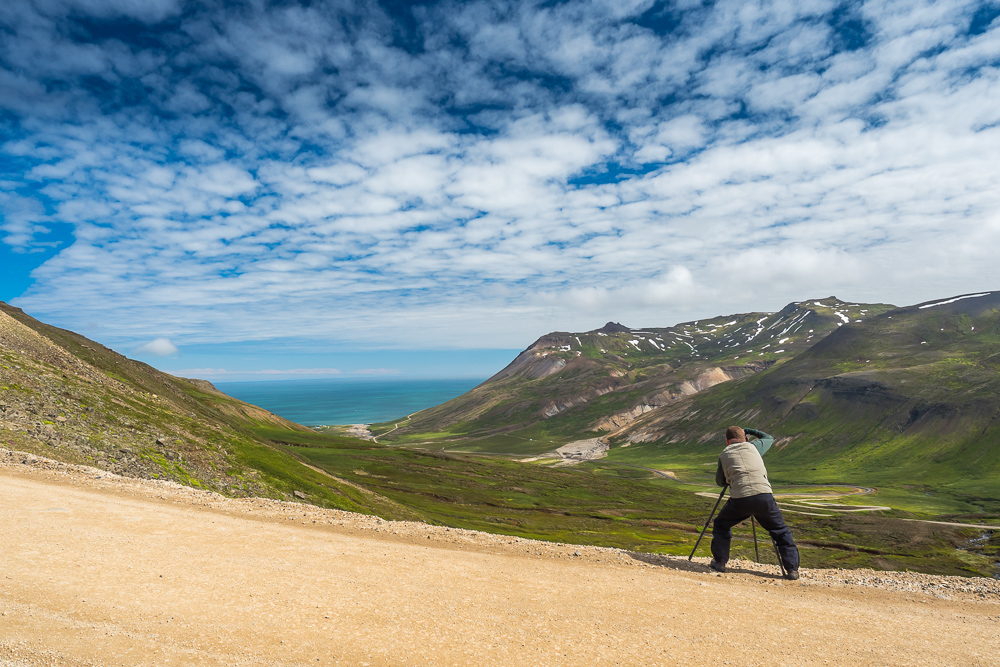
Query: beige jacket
x,y
743,469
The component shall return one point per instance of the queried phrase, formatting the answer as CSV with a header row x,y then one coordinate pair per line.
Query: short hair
x,y
735,434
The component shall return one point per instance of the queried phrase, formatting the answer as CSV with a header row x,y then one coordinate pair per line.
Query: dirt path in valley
x,y
375,438
802,503
99,570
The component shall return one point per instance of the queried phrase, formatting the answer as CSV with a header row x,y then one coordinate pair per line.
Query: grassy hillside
x,y
904,400
68,398
867,394
619,506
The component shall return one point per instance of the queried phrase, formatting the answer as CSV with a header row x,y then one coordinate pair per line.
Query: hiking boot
x,y
719,567
792,575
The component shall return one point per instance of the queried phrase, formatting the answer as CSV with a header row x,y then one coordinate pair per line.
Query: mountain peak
x,y
614,327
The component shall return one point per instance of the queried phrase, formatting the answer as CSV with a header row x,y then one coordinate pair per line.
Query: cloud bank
x,y
473,174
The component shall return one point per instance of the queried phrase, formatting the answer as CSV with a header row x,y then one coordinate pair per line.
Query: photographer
x,y
742,468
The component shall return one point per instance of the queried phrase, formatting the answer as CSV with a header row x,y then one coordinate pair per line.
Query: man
x,y
750,495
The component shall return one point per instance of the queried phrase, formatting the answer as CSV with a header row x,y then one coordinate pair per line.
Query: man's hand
x,y
762,440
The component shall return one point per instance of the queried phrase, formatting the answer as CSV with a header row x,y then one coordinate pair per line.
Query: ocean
x,y
347,400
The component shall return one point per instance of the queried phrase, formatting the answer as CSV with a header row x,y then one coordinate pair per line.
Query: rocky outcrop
x,y
534,363
552,408
614,327
709,378
620,419
705,380
583,450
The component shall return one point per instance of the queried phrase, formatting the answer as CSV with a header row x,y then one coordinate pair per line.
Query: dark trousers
x,y
763,508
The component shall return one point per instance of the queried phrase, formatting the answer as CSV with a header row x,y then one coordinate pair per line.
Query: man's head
x,y
735,434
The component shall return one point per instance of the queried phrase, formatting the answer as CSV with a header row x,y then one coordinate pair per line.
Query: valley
x,y
635,413
901,400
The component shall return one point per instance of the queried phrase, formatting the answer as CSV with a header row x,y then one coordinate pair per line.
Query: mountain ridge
x,y
621,370
125,417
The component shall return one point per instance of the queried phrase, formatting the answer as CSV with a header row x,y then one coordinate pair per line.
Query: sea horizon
x,y
348,400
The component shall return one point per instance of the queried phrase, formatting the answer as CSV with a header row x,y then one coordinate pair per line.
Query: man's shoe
x,y
719,567
792,575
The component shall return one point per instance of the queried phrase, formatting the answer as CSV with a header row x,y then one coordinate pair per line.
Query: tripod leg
x,y
756,554
777,554
708,521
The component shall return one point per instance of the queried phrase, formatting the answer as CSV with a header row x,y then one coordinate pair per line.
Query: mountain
x,y
572,385
66,397
910,394
865,393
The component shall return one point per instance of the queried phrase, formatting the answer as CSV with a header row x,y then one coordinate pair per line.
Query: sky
x,y
241,190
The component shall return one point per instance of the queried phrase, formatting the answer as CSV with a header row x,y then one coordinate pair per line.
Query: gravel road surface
x,y
99,570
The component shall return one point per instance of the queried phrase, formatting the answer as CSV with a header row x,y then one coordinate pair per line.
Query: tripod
x,y
709,520
777,554
753,525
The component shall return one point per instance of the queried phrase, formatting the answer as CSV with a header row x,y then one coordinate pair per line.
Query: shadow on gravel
x,y
683,564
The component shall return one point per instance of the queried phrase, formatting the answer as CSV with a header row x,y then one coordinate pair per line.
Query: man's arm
x,y
720,476
763,441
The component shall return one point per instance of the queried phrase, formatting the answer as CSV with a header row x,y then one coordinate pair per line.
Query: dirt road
x,y
97,570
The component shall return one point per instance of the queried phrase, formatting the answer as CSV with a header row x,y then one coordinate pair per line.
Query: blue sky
x,y
240,188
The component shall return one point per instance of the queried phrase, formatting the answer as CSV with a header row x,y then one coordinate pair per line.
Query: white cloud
x,y
23,221
337,174
161,347
296,172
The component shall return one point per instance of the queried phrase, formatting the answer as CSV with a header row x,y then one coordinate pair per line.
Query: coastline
x,y
338,402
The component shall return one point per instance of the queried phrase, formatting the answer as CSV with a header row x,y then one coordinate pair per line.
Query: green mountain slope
x,y
910,396
68,398
569,386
